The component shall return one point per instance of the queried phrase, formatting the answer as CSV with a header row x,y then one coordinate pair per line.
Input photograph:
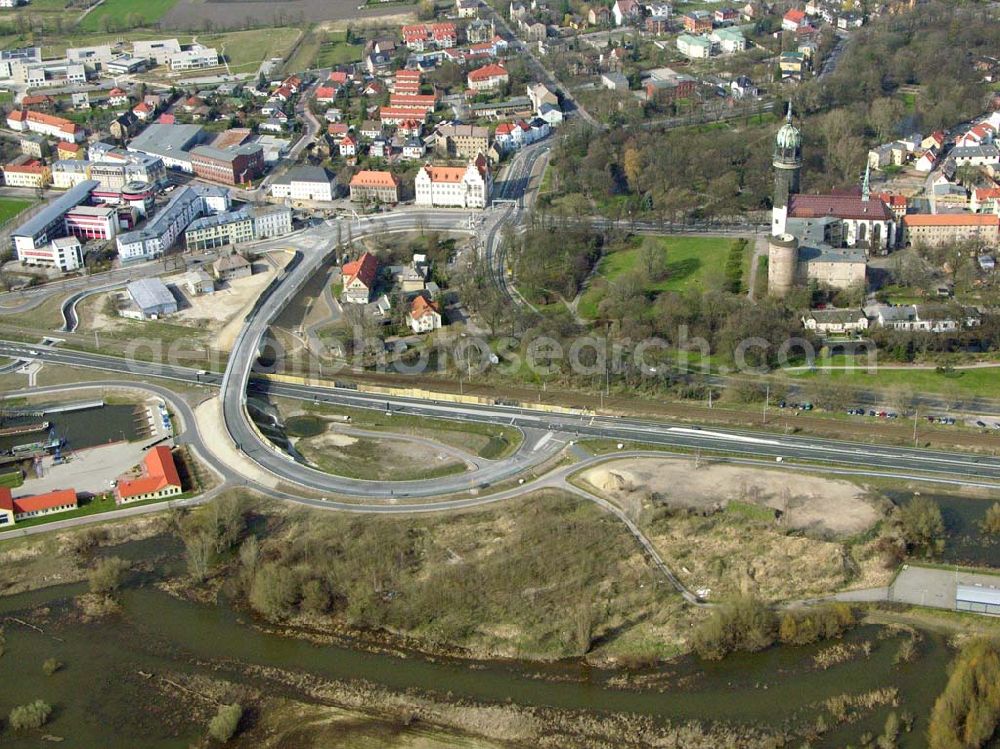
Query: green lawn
x,y
337,51
10,207
246,50
690,260
984,382
150,11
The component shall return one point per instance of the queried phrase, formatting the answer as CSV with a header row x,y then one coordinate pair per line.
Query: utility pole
x,y
916,412
767,397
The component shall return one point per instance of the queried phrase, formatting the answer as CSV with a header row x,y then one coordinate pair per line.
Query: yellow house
x,y
69,151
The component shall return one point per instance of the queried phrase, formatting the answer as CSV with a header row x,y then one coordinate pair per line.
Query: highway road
x,y
868,459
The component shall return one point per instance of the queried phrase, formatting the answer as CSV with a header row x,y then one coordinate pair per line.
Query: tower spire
x,y
788,115
865,183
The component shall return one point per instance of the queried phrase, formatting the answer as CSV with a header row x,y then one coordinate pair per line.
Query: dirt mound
x,y
610,481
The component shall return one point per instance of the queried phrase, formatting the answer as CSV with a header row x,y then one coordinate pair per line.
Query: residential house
x,y
730,40
793,20
695,47
488,78
359,278
625,11
835,321
425,315
697,21
231,267
599,15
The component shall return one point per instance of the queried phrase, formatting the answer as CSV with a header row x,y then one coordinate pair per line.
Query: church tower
x,y
787,167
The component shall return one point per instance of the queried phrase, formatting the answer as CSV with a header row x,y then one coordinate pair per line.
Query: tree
x,y
199,551
107,575
27,717
743,624
223,726
966,714
633,166
653,259
991,523
922,526
274,590
315,597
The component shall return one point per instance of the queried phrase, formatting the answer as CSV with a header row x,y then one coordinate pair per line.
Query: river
x,y
99,697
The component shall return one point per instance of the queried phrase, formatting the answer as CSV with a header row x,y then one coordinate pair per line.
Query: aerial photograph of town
x,y
499,374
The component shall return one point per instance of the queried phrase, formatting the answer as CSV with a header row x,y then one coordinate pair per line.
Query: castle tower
x,y
782,264
787,167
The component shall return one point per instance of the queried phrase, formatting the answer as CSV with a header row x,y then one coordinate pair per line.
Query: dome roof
x,y
789,136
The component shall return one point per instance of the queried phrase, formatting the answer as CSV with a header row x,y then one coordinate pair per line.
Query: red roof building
x,y
487,77
12,510
852,207
793,19
359,278
159,478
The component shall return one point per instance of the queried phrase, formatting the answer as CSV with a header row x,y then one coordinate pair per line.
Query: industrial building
x,y
150,300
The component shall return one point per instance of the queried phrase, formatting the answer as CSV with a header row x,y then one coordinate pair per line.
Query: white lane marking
x,y
542,441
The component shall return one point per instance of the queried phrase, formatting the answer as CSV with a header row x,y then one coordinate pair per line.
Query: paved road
x,y
960,469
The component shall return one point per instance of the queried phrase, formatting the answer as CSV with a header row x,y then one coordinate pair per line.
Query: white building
x,y
454,186
195,58
160,233
157,50
64,254
304,183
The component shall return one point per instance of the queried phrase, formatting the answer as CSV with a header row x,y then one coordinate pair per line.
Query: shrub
x,y
33,715
743,624
812,625
107,575
50,666
315,597
966,714
223,726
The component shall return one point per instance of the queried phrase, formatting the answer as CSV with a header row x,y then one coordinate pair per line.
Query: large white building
x,y
64,254
25,120
157,50
455,186
194,58
304,183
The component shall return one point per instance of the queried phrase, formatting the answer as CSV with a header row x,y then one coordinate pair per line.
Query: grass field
x,y
11,480
114,11
10,207
982,382
690,262
335,50
246,50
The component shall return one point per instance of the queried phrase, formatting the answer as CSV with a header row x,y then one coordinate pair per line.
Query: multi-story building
x,y
304,183
160,232
375,187
49,222
927,229
92,222
454,187
421,36
32,174
231,166
158,50
462,141
23,120
233,227
64,254
194,58
488,78
171,143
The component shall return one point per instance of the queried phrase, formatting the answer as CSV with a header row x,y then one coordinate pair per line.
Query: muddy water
x,y
102,699
965,543
84,429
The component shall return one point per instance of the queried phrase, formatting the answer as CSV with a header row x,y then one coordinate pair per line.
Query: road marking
x,y
542,441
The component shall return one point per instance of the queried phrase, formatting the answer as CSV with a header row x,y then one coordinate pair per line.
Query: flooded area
x,y
965,542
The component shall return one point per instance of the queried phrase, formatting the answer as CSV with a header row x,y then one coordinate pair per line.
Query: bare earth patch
x,y
720,552
376,459
806,503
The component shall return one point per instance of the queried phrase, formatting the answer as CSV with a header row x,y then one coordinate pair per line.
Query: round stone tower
x,y
782,264
787,164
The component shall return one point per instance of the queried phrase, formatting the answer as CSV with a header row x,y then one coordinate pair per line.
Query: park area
x,y
685,263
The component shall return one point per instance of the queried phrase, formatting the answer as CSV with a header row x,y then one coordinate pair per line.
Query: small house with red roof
x,y
142,111
117,97
793,20
358,278
425,315
22,508
159,478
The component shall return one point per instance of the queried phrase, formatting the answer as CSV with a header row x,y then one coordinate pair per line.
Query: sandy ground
x,y
386,457
223,310
208,416
806,503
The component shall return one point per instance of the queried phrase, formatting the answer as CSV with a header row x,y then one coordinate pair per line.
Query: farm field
x,y
112,14
233,14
